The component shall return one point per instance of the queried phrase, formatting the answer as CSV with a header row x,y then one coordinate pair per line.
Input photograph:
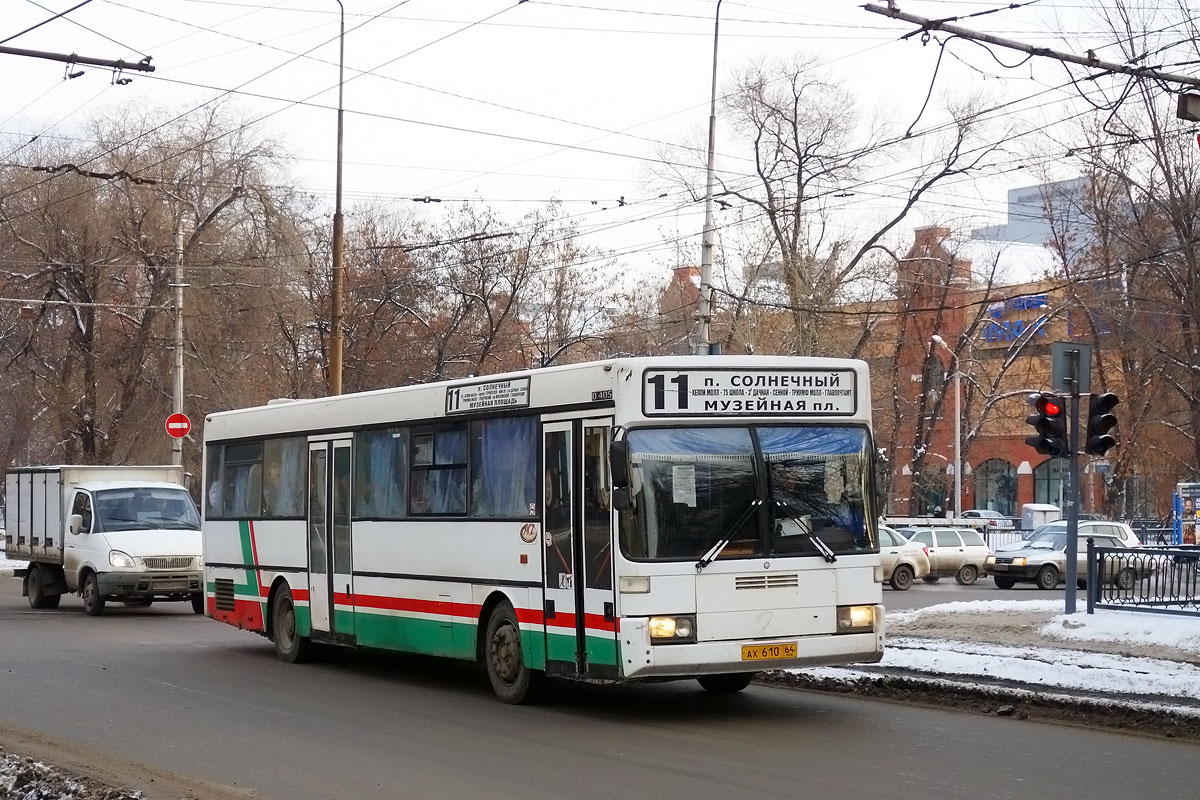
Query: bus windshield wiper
x,y
721,543
825,550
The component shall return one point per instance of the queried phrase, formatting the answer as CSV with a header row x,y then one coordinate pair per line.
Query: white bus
x,y
632,519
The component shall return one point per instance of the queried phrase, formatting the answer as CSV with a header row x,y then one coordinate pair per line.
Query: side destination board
x,y
749,392
487,396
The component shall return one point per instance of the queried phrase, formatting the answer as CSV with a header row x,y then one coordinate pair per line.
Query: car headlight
x,y
120,560
1018,562
855,619
989,561
672,630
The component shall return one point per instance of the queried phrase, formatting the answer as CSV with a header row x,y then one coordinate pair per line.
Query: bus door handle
x,y
549,609
610,612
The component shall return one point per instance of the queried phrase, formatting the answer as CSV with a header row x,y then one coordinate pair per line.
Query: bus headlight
x,y
672,630
855,619
120,560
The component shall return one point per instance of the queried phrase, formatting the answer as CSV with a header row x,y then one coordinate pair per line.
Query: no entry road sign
x,y
178,425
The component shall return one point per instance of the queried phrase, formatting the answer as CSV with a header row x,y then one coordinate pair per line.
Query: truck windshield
x,y
145,508
692,487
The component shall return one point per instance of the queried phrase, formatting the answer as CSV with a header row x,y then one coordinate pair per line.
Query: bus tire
x,y
291,647
512,681
729,683
93,601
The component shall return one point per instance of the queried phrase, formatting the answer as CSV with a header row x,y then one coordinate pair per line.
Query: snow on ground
x,y
1123,654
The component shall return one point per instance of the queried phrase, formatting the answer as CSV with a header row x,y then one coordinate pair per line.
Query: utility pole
x,y
177,394
704,329
339,272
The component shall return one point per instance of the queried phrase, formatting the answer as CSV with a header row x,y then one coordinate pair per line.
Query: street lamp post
x,y
338,277
957,425
703,334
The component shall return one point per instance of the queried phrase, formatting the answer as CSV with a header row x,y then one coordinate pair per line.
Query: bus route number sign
x,y
489,396
749,392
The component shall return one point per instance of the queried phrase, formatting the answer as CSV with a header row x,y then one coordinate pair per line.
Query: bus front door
x,y
330,571
580,618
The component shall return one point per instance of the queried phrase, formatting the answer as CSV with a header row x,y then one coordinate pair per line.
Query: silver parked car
x,y
953,552
903,561
1043,561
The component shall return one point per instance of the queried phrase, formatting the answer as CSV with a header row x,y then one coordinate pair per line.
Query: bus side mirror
x,y
622,499
75,523
618,461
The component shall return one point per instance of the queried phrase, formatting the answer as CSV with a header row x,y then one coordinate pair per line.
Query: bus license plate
x,y
766,652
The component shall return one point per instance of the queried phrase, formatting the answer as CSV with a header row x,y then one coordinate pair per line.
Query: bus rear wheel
x,y
291,647
726,684
512,681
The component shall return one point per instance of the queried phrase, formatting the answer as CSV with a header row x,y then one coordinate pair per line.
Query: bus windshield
x,y
145,508
769,490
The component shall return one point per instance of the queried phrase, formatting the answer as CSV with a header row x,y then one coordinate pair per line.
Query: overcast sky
x,y
515,103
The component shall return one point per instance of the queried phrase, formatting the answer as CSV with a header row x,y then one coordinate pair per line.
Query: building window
x,y
1049,482
996,486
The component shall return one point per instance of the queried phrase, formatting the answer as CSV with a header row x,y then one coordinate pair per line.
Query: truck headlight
x,y
855,619
672,630
120,560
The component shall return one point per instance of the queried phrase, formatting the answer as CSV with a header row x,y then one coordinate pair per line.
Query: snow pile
x,y
25,779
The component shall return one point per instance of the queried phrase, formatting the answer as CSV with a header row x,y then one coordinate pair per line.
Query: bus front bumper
x,y
639,659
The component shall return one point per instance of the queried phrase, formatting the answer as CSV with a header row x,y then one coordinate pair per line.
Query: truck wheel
x,y
902,577
93,601
1047,577
511,680
198,602
289,645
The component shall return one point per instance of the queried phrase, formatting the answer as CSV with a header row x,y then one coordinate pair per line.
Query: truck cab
x,y
136,543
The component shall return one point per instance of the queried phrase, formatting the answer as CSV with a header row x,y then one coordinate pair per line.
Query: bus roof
x,y
605,384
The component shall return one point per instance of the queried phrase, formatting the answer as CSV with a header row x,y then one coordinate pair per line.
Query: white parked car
x,y
903,561
1106,528
953,552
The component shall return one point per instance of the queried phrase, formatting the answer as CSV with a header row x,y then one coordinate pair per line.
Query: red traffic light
x,y
1046,404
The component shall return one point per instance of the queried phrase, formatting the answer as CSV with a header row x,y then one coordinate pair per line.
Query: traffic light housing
x,y
1050,422
1101,420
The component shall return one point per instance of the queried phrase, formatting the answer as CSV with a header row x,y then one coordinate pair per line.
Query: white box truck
x,y
130,534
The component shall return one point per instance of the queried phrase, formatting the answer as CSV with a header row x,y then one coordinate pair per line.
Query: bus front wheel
x,y
291,647
512,681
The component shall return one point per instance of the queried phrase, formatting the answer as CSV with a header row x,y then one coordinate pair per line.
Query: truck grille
x,y
167,562
789,581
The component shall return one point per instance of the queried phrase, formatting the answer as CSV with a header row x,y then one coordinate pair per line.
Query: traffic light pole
x,y
1073,503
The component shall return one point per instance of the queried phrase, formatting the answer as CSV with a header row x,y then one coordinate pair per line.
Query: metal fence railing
x,y
1162,580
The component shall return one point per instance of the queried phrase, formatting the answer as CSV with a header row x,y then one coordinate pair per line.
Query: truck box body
x,y
129,533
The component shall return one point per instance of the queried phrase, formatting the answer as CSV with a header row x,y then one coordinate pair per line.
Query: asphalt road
x,y
189,696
